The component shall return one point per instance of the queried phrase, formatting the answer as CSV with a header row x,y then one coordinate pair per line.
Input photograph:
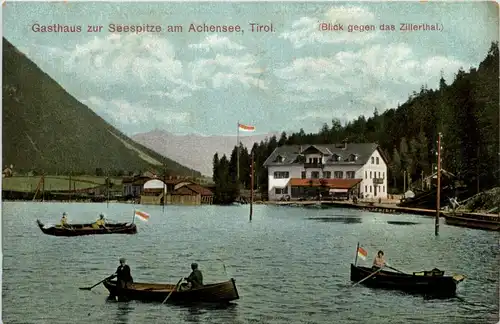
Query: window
x,y
383,188
366,189
377,159
315,175
379,174
366,174
336,158
383,175
370,174
315,160
327,174
373,159
281,191
370,188
338,174
352,158
281,175
303,175
350,174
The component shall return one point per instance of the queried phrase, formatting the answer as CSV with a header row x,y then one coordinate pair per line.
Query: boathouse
x,y
175,192
191,194
133,186
153,193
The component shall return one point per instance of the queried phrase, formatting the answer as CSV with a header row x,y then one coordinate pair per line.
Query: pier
x,y
367,206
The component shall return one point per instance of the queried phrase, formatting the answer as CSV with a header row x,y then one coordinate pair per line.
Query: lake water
x,y
288,268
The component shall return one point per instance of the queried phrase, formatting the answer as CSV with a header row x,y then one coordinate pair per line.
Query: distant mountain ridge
x,y
194,150
46,129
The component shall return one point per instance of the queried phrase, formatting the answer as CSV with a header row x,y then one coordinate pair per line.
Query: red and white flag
x,y
362,253
142,215
245,128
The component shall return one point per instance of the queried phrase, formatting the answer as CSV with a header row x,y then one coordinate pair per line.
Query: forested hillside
x,y
465,110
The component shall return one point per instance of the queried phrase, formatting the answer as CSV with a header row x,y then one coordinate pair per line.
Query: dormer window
x,y
335,157
279,159
352,158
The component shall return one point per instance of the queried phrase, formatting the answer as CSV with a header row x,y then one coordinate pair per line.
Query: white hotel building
x,y
358,169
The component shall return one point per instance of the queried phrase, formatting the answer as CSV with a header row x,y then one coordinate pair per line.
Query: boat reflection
x,y
340,219
122,313
401,223
227,313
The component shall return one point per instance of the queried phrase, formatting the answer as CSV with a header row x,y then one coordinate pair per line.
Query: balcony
x,y
313,165
378,181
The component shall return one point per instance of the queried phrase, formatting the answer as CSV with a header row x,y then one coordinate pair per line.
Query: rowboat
x,y
222,292
87,229
472,220
431,283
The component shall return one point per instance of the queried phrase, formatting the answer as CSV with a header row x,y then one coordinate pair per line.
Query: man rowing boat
x,y
379,261
195,279
124,278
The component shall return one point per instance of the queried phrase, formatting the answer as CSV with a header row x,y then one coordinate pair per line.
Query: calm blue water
x,y
288,268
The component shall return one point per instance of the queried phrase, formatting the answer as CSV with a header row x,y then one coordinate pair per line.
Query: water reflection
x,y
123,309
401,223
343,219
200,313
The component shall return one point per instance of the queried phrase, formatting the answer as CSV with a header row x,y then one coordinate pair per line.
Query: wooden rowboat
x,y
87,229
431,283
489,222
222,292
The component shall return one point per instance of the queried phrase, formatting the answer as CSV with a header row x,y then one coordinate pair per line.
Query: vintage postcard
x,y
250,162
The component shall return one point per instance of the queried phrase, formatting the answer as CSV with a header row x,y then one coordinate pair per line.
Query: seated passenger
x,y
100,223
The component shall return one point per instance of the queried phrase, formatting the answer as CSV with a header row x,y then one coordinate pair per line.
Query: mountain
x,y
192,150
45,128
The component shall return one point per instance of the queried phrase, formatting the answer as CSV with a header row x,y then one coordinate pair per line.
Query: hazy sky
x,y
296,76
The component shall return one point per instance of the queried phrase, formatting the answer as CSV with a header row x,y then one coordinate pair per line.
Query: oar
x,y
388,266
367,277
175,288
89,288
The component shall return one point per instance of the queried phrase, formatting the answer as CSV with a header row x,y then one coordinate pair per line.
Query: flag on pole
x,y
142,215
362,253
245,128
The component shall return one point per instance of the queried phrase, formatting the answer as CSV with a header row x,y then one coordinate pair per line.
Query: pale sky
x,y
296,76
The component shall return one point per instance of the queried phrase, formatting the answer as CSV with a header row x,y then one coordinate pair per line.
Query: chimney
x,y
344,146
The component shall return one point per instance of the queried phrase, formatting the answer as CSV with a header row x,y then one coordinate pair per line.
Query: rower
x,y
64,220
124,278
195,279
101,222
379,261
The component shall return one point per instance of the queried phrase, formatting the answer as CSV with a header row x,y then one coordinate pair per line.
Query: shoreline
x,y
389,206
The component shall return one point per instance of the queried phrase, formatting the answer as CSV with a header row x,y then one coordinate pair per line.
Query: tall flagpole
x,y
238,152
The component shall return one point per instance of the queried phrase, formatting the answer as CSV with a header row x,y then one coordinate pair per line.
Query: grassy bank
x,y
56,183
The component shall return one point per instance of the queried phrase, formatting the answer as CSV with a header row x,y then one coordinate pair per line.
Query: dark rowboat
x,y
222,292
473,220
86,229
431,283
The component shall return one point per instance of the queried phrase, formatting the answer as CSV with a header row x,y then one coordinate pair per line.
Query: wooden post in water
x,y
438,194
43,186
164,189
404,182
108,182
251,187
69,187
